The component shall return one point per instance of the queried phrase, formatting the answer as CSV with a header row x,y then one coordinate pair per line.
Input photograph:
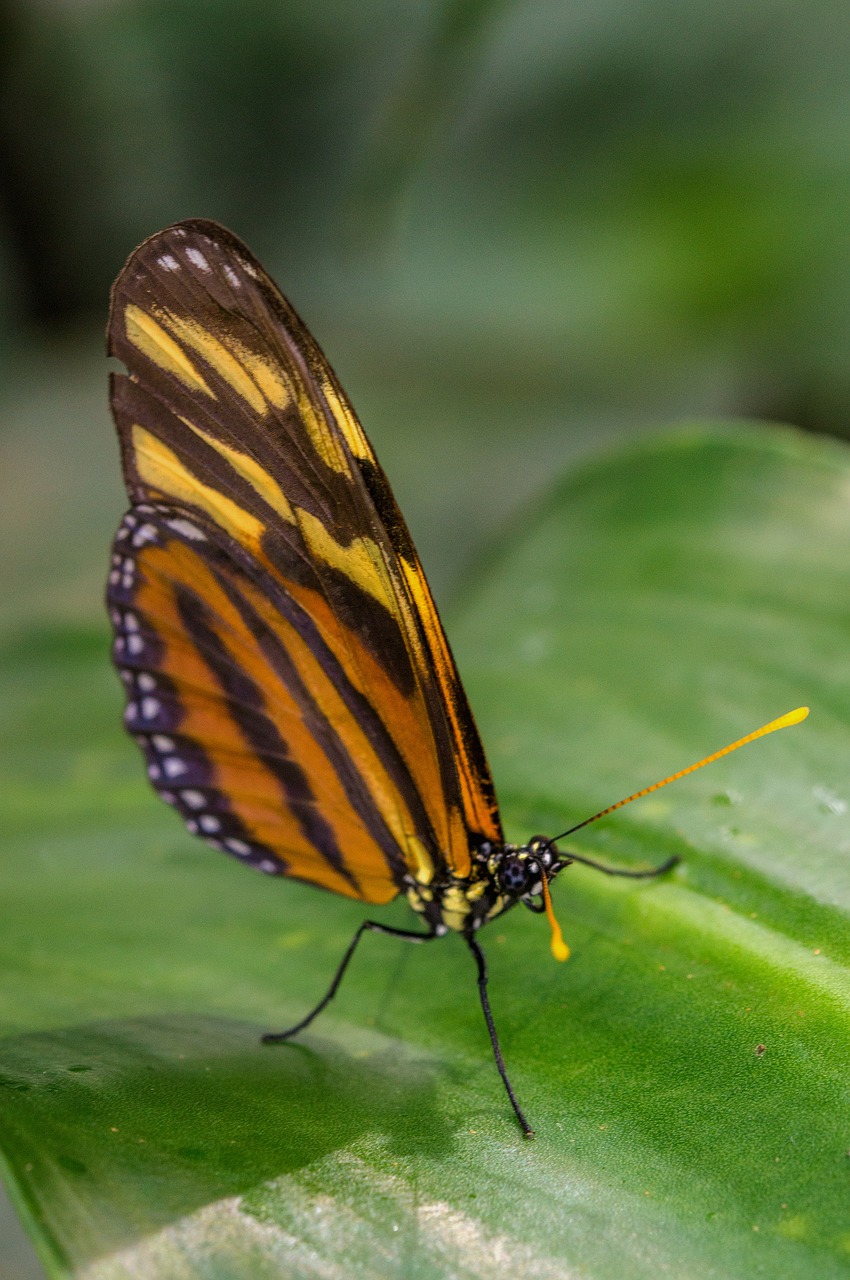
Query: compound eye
x,y
514,875
541,848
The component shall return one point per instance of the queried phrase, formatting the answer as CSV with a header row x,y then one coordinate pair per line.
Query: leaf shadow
x,y
115,1129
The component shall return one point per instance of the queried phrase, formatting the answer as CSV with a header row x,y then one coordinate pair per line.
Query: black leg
x,y
494,1039
410,935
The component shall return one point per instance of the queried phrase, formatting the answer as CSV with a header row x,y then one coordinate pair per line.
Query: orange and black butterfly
x,y
287,675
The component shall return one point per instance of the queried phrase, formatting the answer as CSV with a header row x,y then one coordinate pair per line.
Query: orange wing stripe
x,y
245,777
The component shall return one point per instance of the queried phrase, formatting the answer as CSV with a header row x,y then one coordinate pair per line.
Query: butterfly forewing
x,y
283,615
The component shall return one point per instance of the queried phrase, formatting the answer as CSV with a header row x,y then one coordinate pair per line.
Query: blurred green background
x,y
521,229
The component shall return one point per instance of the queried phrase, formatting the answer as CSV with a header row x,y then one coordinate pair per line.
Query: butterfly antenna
x,y
792,717
560,950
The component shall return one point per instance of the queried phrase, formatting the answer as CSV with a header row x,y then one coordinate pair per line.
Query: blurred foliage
x,y
520,229
557,196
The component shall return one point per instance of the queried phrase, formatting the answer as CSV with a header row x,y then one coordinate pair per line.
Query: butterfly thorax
x,y
501,876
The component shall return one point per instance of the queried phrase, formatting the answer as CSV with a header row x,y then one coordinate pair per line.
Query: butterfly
x,y
287,676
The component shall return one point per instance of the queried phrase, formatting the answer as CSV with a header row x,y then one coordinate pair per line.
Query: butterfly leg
x,y
494,1039
373,926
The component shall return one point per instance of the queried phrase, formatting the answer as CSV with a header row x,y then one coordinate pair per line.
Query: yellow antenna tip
x,y
793,717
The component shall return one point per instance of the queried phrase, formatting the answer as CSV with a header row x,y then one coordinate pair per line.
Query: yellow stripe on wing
x,y
249,469
268,375
161,469
228,366
361,560
258,380
149,337
351,429
477,813
321,435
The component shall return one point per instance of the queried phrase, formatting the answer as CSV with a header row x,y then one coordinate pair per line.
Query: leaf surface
x,y
686,1071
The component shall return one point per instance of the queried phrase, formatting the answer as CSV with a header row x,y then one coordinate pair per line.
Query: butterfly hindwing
x,y
305,666
234,735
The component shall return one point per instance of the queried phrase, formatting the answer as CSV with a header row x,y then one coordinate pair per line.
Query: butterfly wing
x,y
280,626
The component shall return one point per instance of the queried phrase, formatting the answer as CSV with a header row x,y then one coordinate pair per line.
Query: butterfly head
x,y
519,870
523,874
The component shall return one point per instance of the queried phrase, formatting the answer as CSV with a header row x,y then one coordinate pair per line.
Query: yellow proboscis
x,y
560,950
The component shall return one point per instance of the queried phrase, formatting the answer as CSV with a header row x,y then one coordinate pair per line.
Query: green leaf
x,y
686,1071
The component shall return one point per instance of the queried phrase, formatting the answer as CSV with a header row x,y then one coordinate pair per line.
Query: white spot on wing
x,y
188,529
151,708
147,533
173,767
194,799
237,846
135,644
232,275
146,682
197,258
162,743
168,262
209,822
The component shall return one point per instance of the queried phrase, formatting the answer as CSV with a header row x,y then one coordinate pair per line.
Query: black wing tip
x,y
169,237
177,232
